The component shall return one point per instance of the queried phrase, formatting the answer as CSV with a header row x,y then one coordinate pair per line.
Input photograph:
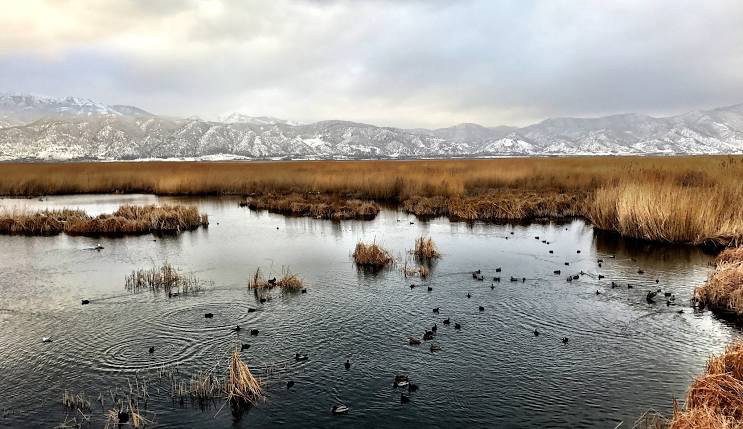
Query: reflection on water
x,y
623,357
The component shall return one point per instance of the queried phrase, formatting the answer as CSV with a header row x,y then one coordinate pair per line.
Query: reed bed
x,y
425,249
723,291
315,205
691,199
241,388
133,416
715,399
371,255
76,402
287,282
415,271
165,278
126,220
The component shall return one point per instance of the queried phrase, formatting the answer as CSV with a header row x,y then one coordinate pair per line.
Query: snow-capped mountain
x,y
71,128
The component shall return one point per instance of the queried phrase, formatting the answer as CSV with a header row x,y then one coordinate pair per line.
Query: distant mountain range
x,y
45,128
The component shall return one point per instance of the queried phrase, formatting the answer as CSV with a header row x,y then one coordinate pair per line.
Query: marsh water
x,y
624,355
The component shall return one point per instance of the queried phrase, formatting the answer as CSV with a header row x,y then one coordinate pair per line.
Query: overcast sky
x,y
399,62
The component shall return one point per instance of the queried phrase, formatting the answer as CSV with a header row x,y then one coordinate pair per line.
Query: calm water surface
x,y
624,355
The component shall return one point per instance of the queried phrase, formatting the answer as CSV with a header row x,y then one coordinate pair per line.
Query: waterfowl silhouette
x,y
85,302
208,315
400,381
123,417
272,281
567,263
46,340
347,364
430,288
613,285
552,251
601,276
492,287
599,260
570,278
262,300
536,237
657,280
434,328
300,357
556,272
304,290
404,399
244,347
680,312
436,310
496,279
290,384
629,286
649,297
481,308
597,292
576,277
427,336
599,264
413,341
667,294
236,328
435,347
497,270
468,295
564,340
341,409
523,279
514,279
577,251
457,326
412,286
172,294
640,272
254,332
478,272
250,310
536,333
152,350
446,321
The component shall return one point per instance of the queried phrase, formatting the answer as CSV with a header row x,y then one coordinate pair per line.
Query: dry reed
x,y
76,402
288,281
425,249
371,255
723,291
715,399
46,222
241,388
314,205
165,279
693,199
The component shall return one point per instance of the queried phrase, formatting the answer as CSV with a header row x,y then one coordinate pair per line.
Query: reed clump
x,y
130,219
315,205
421,271
425,249
715,399
371,255
165,278
290,282
723,291
76,401
241,387
46,222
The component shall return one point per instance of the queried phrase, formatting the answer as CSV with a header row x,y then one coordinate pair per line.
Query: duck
x,y
85,302
601,276
254,332
492,287
172,294
680,312
468,295
446,321
570,278
123,417
430,288
436,310
340,409
46,340
496,279
208,315
236,328
600,261
576,277
428,336
479,277
304,290
613,285
244,347
629,286
567,263
251,310
649,297
98,247
599,264
497,270
598,292
300,357
657,280
536,332
577,251
435,347
552,251
514,279
481,308
564,340
401,380
404,399
434,328
272,281
667,294
152,350
262,300
413,341
556,272
347,364
536,237
640,272
290,384
457,326
412,286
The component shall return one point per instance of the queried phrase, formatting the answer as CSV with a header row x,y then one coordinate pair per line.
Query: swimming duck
x,y
152,350
536,333
244,347
434,328
564,340
567,263
657,281
576,277
514,279
599,260
629,286
347,364
497,270
290,384
98,247
496,279
401,381
435,347
254,332
552,251
601,276
123,416
413,341
304,290
667,294
236,328
428,336
570,278
598,293
457,326
412,286
640,272
436,310
46,340
262,300
272,281
250,310
300,357
481,308
430,288
446,321
468,295
556,272
492,287
649,297
340,409
85,302
404,399
208,315
577,251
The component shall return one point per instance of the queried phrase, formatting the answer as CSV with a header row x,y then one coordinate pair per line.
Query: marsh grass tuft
x,y
371,255
165,279
76,402
425,249
723,291
241,387
314,205
715,399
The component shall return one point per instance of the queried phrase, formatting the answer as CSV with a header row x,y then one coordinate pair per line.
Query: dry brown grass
x,y
165,279
686,199
723,291
425,249
126,220
715,399
242,387
315,205
76,401
371,255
